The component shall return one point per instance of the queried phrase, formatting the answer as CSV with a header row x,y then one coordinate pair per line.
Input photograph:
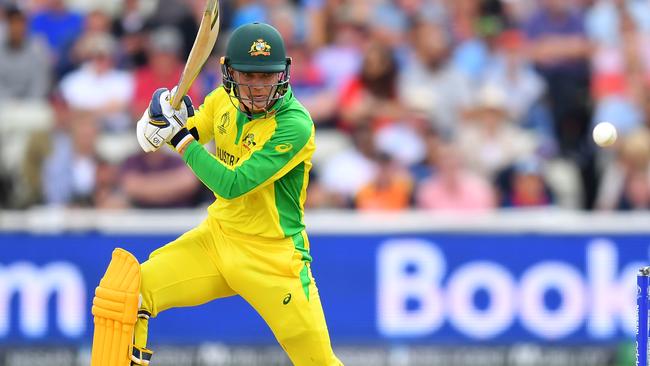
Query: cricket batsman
x,y
253,242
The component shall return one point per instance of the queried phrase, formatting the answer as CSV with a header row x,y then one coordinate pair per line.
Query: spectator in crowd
x,y
431,9
389,20
636,194
511,70
29,190
129,28
5,188
322,16
349,170
428,83
319,197
491,142
454,187
157,181
515,13
98,86
308,79
60,27
621,72
626,180
390,190
164,68
24,87
316,22
603,20
178,15
24,65
287,20
463,17
96,23
108,191
3,21
525,185
309,85
371,96
471,56
341,60
645,110
403,141
426,168
69,172
249,11
560,50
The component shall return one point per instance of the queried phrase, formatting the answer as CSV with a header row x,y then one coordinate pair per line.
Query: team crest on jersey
x,y
249,141
260,47
224,123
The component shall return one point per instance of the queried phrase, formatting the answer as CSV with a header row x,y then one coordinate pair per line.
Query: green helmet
x,y
253,48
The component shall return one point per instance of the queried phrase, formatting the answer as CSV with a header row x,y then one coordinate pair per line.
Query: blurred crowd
x,y
462,105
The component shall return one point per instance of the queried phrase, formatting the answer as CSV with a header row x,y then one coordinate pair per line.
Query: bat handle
x,y
176,98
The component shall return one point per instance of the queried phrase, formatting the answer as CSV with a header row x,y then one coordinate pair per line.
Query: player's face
x,y
256,88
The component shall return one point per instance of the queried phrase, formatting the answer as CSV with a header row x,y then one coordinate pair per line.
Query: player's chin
x,y
256,105
259,106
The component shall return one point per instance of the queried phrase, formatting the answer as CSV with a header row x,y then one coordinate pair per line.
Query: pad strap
x,y
141,356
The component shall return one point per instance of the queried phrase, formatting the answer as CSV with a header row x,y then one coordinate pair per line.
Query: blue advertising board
x,y
443,288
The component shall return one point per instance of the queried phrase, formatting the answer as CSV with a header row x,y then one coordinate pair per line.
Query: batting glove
x,y
161,123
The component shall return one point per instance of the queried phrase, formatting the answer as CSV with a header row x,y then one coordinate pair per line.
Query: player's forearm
x,y
276,157
224,182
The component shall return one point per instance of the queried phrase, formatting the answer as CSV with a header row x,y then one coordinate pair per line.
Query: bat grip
x,y
177,99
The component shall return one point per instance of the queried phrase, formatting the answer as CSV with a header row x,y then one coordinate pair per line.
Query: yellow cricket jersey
x,y
260,170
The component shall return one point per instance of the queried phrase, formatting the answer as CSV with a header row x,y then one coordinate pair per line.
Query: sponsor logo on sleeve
x,y
283,148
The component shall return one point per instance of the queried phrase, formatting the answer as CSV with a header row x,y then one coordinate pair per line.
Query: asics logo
x,y
283,148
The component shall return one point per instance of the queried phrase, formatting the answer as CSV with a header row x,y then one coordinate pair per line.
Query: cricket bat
x,y
203,44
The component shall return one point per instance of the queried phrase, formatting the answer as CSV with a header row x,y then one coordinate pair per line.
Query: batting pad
x,y
115,310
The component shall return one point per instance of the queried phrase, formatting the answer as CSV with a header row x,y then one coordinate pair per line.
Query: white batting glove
x,y
161,123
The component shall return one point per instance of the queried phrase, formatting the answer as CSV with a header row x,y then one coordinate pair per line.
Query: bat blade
x,y
203,45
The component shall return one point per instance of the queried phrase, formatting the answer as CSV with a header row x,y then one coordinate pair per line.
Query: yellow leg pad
x,y
115,310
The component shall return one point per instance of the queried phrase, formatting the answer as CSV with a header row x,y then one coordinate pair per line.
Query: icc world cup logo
x,y
224,123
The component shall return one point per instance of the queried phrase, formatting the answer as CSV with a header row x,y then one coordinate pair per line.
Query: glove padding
x,y
161,123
